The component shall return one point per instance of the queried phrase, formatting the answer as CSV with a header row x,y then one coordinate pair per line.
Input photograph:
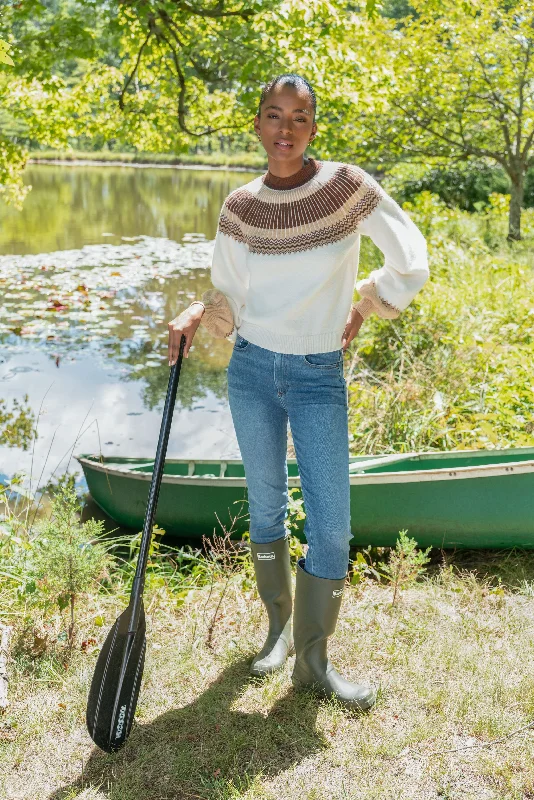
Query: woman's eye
x,y
275,116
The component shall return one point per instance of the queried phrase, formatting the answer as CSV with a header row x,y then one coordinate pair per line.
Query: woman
x,y
284,264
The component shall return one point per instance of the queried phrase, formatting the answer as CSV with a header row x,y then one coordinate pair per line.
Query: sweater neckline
x,y
304,174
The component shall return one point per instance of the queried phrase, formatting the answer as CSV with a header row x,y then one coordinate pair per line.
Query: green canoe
x,y
466,498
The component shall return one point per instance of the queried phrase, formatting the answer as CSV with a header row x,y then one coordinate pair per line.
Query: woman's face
x,y
286,117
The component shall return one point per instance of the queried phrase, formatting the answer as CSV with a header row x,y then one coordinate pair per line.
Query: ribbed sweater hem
x,y
289,343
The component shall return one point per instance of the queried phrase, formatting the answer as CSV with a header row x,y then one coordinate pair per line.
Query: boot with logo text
x,y
317,604
273,577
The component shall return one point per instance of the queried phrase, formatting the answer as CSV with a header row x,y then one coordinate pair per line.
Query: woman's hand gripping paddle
x,y
119,668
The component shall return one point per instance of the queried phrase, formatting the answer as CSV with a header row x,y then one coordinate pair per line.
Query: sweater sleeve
x,y
229,272
389,290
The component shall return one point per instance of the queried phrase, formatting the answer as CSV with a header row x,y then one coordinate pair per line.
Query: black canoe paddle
x,y
117,678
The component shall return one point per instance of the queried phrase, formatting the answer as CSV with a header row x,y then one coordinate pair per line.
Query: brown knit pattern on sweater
x,y
275,221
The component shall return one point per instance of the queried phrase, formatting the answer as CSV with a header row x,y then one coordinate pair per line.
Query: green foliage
x,y
295,514
425,82
4,57
405,564
363,566
70,558
16,424
154,546
254,160
66,481
466,185
449,87
125,75
453,371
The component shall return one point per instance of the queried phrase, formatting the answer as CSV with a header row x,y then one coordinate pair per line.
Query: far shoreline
x,y
82,162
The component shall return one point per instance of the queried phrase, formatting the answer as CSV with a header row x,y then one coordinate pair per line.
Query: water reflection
x,y
72,206
83,330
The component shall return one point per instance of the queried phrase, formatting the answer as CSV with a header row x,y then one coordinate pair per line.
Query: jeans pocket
x,y
240,343
330,360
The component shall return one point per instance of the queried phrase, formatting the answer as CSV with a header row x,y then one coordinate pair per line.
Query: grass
x,y
454,370
453,662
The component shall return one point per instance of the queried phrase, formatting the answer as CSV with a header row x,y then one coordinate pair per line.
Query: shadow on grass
x,y
205,749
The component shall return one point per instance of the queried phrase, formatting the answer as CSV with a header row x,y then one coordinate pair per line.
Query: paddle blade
x,y
116,682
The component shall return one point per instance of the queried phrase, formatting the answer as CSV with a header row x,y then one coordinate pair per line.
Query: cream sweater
x,y
287,249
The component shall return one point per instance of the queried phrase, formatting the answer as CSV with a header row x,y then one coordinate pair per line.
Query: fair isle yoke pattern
x,y
272,216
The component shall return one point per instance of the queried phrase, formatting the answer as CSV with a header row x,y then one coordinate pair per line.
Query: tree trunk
x,y
516,202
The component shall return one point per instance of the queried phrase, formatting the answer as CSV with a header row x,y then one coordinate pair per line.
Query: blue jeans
x,y
266,390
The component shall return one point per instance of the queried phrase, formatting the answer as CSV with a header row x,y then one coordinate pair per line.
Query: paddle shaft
x,y
153,494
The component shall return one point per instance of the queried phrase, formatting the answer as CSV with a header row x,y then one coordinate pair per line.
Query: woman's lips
x,y
283,146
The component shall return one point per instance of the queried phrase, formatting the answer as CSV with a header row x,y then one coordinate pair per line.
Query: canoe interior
x,y
358,464
446,461
206,468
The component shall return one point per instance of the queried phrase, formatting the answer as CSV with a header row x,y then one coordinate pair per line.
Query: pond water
x,y
91,270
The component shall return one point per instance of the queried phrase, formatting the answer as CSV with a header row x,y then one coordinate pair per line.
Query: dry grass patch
x,y
453,662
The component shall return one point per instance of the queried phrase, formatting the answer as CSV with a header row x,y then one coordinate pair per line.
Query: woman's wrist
x,y
364,307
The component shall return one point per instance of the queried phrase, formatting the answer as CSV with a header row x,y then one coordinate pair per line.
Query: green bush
x,y
69,557
467,185
453,370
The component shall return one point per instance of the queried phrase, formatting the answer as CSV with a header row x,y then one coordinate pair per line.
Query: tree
x,y
450,80
454,82
162,74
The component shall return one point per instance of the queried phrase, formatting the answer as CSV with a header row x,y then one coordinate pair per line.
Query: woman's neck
x,y
291,181
284,169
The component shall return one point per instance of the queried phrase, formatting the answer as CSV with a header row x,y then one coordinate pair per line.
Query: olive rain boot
x,y
317,604
273,577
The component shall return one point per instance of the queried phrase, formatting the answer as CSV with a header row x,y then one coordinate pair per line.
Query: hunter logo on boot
x,y
337,592
266,556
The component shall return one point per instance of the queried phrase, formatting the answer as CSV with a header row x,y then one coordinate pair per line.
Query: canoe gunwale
x,y
355,479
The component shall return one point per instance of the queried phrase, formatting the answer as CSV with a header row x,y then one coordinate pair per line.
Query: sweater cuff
x,y
364,307
218,317
385,309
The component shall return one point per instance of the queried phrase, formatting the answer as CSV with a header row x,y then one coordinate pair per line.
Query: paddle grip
x,y
153,494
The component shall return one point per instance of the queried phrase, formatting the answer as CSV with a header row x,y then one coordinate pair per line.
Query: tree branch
x,y
522,82
181,98
470,149
171,26
495,96
217,11
133,72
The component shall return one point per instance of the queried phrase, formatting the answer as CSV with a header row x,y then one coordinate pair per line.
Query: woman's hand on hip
x,y
185,323
352,327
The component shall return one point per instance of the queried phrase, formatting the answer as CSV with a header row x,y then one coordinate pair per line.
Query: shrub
x,y
405,564
70,557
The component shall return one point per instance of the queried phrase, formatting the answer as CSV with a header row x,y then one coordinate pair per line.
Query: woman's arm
x,y
389,290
